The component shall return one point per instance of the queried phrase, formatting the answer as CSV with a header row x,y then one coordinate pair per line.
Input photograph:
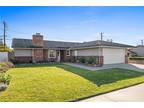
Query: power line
x,y
19,32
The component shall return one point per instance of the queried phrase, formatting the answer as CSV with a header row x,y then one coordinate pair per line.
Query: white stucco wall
x,y
3,56
86,52
114,55
27,52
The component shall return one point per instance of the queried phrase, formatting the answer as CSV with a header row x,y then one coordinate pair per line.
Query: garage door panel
x,y
112,56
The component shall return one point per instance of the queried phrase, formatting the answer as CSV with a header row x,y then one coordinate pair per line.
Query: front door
x,y
58,56
62,55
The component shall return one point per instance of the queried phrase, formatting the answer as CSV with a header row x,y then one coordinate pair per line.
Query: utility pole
x,y
101,34
142,42
4,34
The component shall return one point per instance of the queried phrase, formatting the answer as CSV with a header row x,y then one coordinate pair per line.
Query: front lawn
x,y
57,82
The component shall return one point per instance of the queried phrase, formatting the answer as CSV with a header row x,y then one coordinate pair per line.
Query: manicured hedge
x,y
87,59
136,58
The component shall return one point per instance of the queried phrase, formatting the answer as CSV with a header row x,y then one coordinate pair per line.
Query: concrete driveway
x,y
134,93
136,67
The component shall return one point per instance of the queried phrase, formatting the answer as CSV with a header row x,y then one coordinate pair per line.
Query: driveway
x,y
136,67
134,93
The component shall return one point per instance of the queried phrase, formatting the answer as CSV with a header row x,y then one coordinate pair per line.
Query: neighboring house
x,y
131,53
139,50
39,50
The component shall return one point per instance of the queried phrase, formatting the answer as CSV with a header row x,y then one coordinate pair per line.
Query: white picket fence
x,y
3,56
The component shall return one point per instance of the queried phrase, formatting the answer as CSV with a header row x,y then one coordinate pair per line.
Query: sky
x,y
75,24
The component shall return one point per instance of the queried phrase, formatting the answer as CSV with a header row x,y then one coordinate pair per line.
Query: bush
x,y
87,60
4,66
82,60
5,78
136,58
91,60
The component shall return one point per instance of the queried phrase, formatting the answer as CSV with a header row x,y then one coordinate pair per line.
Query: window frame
x,y
52,52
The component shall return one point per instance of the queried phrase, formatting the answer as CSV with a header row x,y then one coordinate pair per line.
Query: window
x,y
68,52
52,54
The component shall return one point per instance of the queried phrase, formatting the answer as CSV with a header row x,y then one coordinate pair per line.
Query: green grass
x,y
57,82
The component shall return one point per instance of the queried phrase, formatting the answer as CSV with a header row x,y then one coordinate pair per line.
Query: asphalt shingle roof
x,y
27,43
101,43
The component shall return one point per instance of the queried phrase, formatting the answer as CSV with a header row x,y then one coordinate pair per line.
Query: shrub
x,y
5,78
136,58
91,60
4,66
82,60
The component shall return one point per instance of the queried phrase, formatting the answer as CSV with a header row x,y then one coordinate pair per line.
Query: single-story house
x,y
138,50
39,50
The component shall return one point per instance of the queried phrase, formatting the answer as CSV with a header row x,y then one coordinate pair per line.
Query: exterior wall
x,y
22,59
38,55
139,51
45,55
86,52
22,56
23,52
114,55
3,56
68,58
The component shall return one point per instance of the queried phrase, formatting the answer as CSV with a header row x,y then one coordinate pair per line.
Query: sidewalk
x,y
134,93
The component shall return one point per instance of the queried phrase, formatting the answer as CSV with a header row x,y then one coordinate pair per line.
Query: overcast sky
x,y
122,24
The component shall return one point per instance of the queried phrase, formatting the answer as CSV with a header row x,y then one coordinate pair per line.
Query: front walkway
x,y
136,67
134,93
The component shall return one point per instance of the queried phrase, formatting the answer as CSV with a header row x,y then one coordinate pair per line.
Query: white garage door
x,y
112,56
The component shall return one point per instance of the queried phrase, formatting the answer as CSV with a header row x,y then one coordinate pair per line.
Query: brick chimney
x,y
37,39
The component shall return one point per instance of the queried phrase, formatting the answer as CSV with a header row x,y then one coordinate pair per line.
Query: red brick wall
x,y
68,58
45,54
38,55
126,59
100,61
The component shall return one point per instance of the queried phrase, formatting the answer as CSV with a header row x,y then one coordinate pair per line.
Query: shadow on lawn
x,y
98,77
103,76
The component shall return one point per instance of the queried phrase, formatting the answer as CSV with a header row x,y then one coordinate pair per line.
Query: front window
x,y
52,54
68,52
